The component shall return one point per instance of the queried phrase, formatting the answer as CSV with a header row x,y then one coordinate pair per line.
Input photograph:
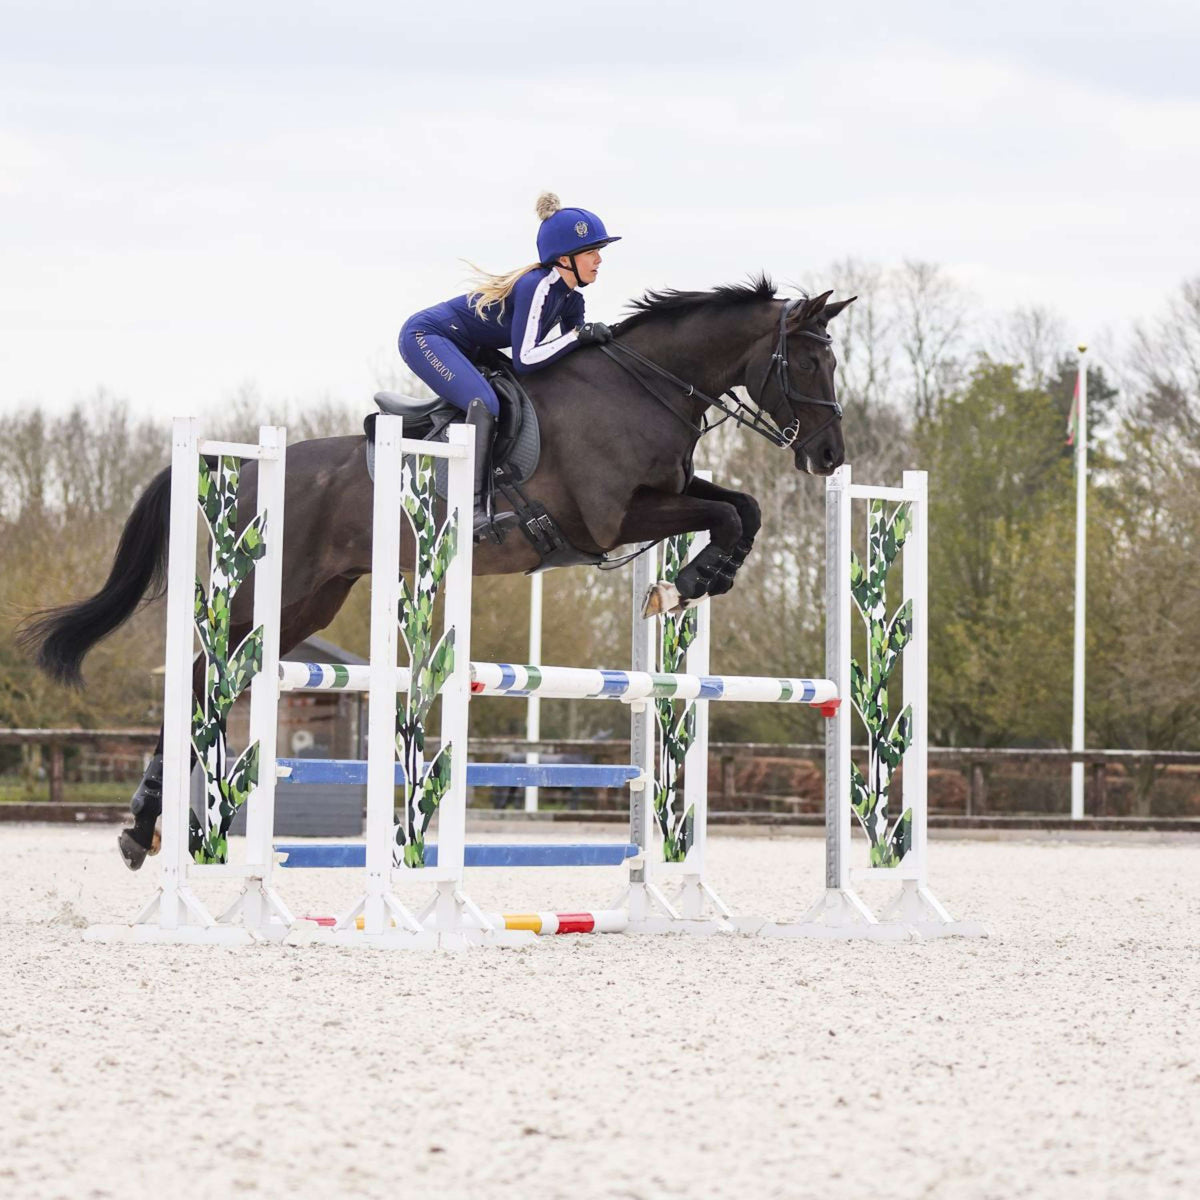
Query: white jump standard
x,y
899,851
176,914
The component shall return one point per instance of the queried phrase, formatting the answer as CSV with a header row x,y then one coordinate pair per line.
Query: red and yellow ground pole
x,y
605,921
602,921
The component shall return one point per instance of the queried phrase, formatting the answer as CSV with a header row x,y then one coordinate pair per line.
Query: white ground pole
x,y
533,706
450,920
176,914
1077,714
841,913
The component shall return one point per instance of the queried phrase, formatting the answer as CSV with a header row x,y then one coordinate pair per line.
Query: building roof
x,y
317,649
314,650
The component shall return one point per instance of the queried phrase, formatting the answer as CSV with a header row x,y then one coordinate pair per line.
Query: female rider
x,y
518,310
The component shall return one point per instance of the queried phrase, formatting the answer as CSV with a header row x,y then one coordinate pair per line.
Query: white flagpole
x,y
1081,436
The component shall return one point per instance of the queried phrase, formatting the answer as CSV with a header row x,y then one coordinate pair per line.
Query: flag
x,y
1073,415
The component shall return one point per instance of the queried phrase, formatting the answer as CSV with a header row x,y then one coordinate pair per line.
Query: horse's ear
x,y
831,310
811,307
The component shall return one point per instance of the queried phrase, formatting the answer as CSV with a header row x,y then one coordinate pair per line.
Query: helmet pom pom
x,y
547,205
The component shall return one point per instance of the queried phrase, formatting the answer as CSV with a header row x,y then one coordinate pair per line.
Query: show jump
x,y
417,789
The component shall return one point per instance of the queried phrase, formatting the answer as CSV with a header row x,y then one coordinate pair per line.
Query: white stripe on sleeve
x,y
531,352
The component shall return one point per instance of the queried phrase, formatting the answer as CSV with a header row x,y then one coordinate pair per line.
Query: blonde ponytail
x,y
492,289
489,289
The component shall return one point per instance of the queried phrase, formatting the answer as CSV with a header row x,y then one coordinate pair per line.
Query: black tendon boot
x,y
146,807
486,524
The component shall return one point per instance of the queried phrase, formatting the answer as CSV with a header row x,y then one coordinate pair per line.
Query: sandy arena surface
x,y
1059,1057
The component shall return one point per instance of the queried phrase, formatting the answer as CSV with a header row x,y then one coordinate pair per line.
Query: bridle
x,y
759,419
779,365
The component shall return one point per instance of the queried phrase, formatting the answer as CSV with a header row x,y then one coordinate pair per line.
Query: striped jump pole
x,y
583,683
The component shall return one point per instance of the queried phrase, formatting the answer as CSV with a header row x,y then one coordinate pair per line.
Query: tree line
x,y
981,401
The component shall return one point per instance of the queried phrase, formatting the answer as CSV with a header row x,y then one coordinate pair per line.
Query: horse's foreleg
x,y
751,518
654,515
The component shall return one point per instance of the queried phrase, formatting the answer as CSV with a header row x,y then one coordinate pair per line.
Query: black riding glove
x,y
594,333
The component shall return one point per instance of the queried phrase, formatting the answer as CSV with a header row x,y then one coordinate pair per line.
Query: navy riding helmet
x,y
568,231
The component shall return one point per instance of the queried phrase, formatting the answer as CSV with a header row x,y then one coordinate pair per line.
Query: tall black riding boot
x,y
486,524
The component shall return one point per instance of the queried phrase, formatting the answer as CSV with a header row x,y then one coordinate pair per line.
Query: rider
x,y
518,310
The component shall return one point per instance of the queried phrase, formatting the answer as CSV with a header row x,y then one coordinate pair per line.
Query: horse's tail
x,y
61,637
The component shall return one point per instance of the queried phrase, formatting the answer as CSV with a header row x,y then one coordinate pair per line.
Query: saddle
x,y
518,444
515,454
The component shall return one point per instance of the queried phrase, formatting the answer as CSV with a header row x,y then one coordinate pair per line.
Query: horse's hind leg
x,y
143,837
314,612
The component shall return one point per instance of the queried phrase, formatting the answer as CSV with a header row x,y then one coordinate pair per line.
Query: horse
x,y
619,424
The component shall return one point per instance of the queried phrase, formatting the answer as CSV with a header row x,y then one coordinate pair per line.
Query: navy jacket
x,y
539,302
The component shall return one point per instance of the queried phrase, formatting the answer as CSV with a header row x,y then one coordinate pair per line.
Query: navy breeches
x,y
439,362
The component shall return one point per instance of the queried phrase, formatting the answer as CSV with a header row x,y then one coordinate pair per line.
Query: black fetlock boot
x,y
486,523
146,807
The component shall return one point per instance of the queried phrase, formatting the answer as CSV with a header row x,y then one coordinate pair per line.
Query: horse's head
x,y
790,374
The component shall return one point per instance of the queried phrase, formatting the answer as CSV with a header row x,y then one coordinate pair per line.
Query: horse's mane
x,y
669,301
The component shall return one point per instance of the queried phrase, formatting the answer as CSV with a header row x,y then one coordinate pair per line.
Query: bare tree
x,y
1031,337
932,322
24,464
865,332
243,412
1162,373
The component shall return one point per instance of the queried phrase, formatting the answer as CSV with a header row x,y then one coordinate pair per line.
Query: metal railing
x,y
55,743
990,777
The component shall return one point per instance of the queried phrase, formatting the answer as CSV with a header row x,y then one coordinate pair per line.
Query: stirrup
x,y
492,527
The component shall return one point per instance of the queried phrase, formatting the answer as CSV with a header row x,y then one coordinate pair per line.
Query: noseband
x,y
779,365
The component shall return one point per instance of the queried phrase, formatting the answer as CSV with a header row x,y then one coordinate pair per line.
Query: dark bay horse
x,y
619,425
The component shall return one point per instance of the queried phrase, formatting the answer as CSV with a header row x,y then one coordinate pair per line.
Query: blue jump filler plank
x,y
494,854
353,772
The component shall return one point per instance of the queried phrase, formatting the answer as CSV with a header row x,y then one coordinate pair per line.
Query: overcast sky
x,y
199,196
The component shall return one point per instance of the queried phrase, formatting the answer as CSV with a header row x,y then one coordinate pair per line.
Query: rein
x,y
757,419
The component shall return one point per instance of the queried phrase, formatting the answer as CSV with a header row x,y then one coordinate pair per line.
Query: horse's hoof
x,y
664,600
133,852
661,598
